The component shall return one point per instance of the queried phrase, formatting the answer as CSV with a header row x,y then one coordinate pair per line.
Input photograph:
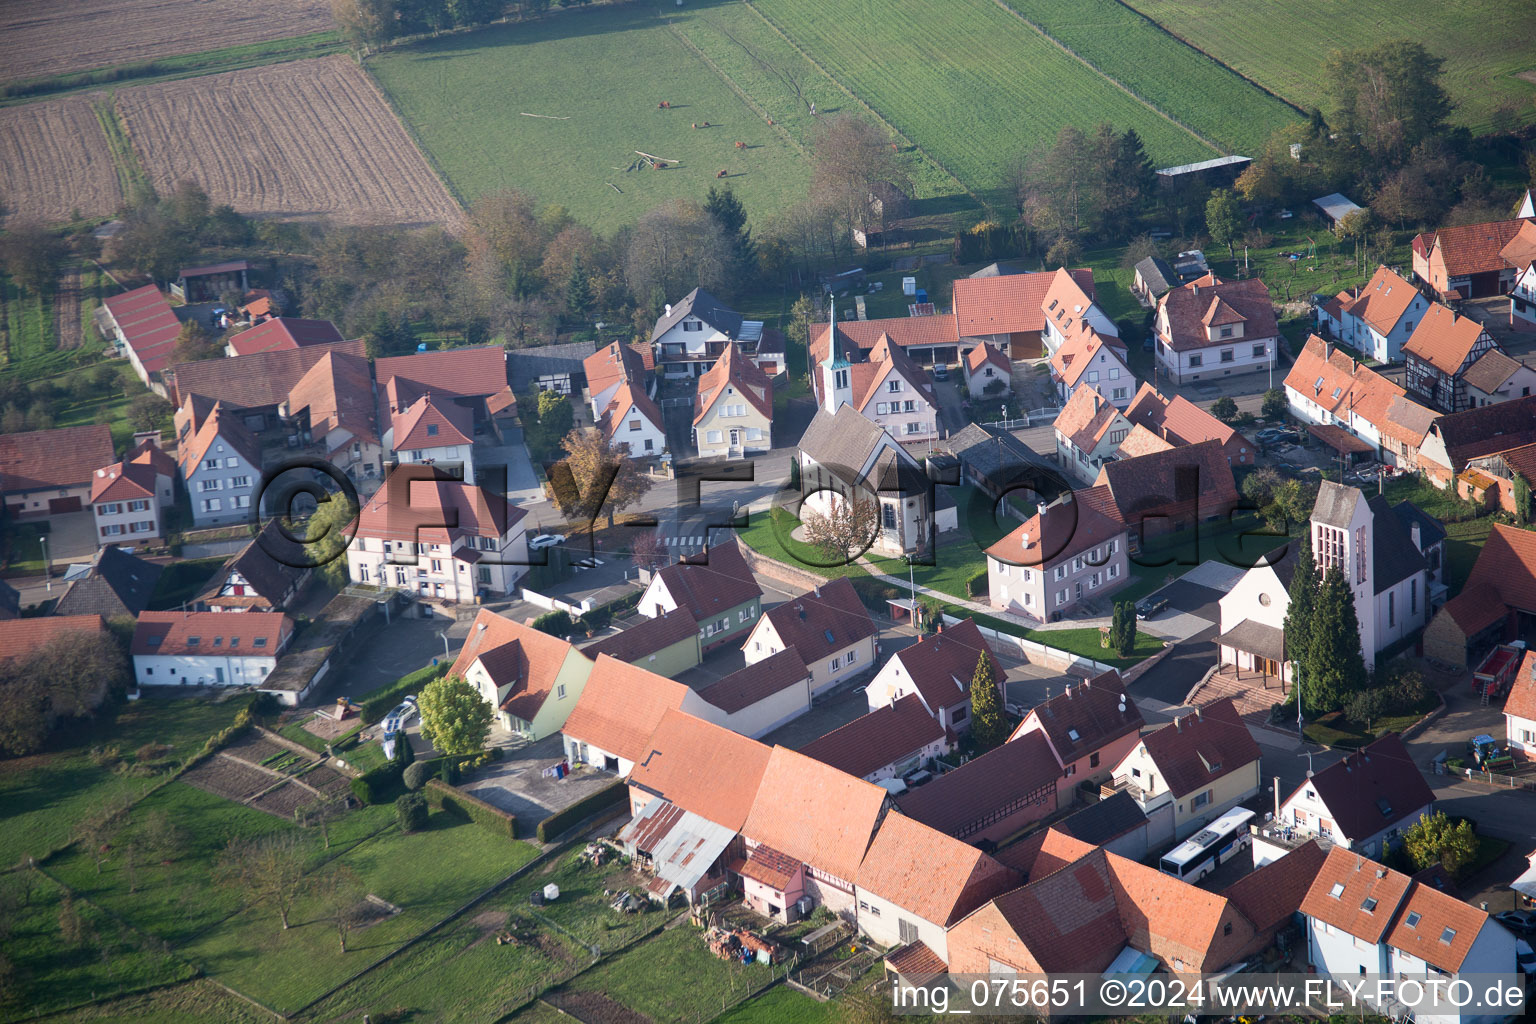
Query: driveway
x,y
522,483
1171,679
392,650
518,785
71,537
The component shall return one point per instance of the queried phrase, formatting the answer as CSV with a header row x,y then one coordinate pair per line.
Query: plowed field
x,y
46,37
54,160
306,138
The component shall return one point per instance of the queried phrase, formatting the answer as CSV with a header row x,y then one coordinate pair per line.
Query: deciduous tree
x,y
267,869
674,248
455,719
845,530
1224,409
850,157
341,897
365,24
1435,839
33,256
1223,218
1388,96
1275,405
595,478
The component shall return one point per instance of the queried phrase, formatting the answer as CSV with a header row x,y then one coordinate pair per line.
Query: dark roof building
x,y
872,744
990,796
700,303
116,585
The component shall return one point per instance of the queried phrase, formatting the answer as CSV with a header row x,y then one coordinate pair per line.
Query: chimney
x,y
1277,799
1096,401
1178,723
1196,287
1418,539
1042,508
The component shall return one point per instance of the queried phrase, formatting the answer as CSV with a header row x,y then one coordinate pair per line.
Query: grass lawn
x,y
770,535
1444,505
1463,543
956,560
51,975
597,77
46,794
1086,643
1334,730
781,1005
1277,43
251,953
195,1002
671,977
582,909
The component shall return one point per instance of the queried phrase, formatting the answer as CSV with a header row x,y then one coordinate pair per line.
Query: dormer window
x,y
1369,906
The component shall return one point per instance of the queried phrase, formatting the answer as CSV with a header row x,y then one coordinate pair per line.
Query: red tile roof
x,y
123,482
21,638
915,960
58,458
426,511
985,353
767,865
1064,529
1086,418
220,426
929,874
148,323
464,372
1477,607
1085,717
251,635
1383,300
1084,349
1521,701
822,623
629,397
1156,484
338,392
514,655
646,637
1188,307
887,735
733,374
1520,251
1141,441
905,331
1471,248
1268,896
1345,887
430,423
1195,750
711,584
255,381
1067,921
884,358
613,364
1443,339
745,687
1012,303
1507,564
1371,788
621,706
1335,382
1176,419
282,333
1443,931
815,813
702,768
943,664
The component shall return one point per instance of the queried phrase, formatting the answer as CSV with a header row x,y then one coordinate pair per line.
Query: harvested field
x,y
594,1008
54,160
45,37
229,778
66,309
303,139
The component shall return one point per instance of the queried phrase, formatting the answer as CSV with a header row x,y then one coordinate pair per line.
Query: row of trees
x,y
1322,636
370,24
71,677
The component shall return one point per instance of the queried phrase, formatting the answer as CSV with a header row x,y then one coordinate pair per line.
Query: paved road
x,y
1171,679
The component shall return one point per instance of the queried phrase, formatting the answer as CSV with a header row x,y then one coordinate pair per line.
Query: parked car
x,y
1518,921
1525,958
1150,607
940,371
545,540
1278,435
917,778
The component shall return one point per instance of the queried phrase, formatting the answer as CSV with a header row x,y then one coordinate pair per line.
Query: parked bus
x,y
1211,847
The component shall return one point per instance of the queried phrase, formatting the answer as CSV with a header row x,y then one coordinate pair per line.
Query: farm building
x,y
1217,172
1336,206
207,649
282,333
114,585
1466,261
49,472
145,329
547,368
1153,279
204,284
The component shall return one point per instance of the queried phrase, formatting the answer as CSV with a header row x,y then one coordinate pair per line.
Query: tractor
x,y
1487,756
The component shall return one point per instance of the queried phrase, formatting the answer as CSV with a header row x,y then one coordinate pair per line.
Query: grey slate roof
x,y
117,585
1394,555
527,364
1002,268
841,439
1157,274
1430,530
706,307
1108,819
1335,504
989,449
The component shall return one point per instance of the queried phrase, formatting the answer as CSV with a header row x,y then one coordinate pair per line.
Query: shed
x,y
201,284
1336,206
547,367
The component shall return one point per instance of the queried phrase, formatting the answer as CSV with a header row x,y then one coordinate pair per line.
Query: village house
x,y
1088,359
666,645
845,456
1496,377
716,588
267,575
916,883
221,468
990,797
332,410
465,376
21,638
1114,823
991,460
1179,421
939,669
1153,279
1067,552
690,794
1090,727
611,367
987,372
1362,803
1326,387
733,410
829,627
1212,328
531,679
282,333
621,705
633,424
691,335
1520,254
1376,320
1520,711
1454,442
1191,771
927,339
46,473
1363,918
442,539
129,499
886,743
254,386
1089,432
1007,311
554,368
179,648
436,433
1403,432
113,584
144,329
806,835
1141,441
883,384
759,698
1439,353
1495,605
1165,492
1072,316
1465,262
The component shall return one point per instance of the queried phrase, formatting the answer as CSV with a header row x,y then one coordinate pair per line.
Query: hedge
x,y
976,586
379,786
381,702
609,796
487,816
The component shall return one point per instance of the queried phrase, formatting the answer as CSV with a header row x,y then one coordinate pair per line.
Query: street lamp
x,y
1270,347
912,583
42,539
444,635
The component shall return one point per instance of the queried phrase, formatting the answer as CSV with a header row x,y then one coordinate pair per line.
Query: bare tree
x,y
340,895
845,531
269,868
852,158
99,827
674,247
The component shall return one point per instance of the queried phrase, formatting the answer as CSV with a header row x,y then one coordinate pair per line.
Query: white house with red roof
x,y
1067,552
1520,711
332,409
1179,421
434,432
221,467
733,410
694,333
1210,328
281,334
1089,432
757,699
1070,312
51,472
532,679
1379,317
442,539
179,648
145,328
609,368
1326,386
885,743
884,384
987,371
129,498
1090,726
829,627
635,422
716,587
621,705
1442,348
1007,310
938,669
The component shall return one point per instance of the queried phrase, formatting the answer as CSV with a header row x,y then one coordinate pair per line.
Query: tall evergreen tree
x,y
988,726
1297,629
1337,669
578,288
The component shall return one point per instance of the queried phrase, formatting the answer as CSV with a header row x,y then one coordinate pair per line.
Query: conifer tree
x,y
988,726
